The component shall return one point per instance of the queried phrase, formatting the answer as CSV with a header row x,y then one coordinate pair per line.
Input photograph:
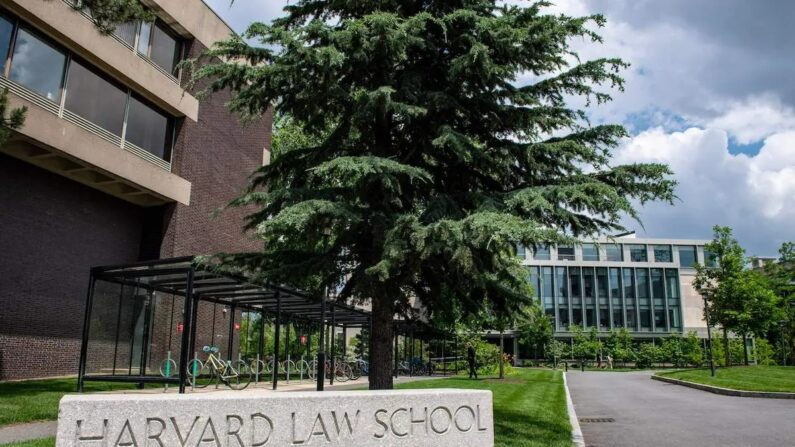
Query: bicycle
x,y
201,374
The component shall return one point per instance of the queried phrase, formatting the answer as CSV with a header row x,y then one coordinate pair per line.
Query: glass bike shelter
x,y
144,322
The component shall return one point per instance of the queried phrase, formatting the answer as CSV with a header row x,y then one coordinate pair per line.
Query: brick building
x,y
116,163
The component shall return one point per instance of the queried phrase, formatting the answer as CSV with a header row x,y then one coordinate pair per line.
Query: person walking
x,y
471,360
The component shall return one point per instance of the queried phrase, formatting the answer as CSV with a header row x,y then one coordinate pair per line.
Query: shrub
x,y
647,355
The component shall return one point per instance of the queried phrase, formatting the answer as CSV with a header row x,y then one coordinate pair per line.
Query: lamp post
x,y
709,336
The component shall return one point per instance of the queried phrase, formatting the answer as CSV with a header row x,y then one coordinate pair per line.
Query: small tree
x,y
718,284
556,350
586,344
535,329
619,345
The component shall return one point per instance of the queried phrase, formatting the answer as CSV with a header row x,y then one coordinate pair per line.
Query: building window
x,y
590,252
614,253
127,32
148,129
6,32
38,65
687,256
159,44
589,290
637,253
658,298
549,290
534,282
615,297
602,288
672,289
662,253
576,296
520,252
562,286
94,98
644,301
565,253
629,299
541,253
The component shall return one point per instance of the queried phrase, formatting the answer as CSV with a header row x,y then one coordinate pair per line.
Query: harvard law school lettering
x,y
384,418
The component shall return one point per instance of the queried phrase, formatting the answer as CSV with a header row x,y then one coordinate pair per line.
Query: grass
x,y
37,400
529,406
47,442
743,378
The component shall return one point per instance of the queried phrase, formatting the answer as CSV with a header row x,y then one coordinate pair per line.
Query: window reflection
x,y
37,65
614,253
165,48
662,253
687,256
590,252
637,253
95,99
148,129
6,31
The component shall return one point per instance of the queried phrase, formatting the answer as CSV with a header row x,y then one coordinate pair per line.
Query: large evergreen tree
x,y
428,160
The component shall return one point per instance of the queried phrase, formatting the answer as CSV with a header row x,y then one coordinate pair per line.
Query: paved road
x,y
657,414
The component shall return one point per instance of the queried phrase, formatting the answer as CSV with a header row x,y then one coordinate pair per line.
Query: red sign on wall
x,y
303,339
180,327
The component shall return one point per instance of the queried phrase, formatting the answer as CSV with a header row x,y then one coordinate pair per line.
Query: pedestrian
x,y
471,360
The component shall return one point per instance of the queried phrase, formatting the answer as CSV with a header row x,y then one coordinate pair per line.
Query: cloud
x,y
754,119
753,194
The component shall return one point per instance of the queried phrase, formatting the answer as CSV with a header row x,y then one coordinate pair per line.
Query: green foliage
x,y
619,346
535,329
557,350
9,120
423,163
647,355
682,351
765,354
739,300
109,13
586,344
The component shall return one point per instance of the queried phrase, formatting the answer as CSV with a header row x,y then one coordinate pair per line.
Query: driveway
x,y
651,413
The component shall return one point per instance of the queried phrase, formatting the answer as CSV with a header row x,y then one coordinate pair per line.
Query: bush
x,y
647,355
765,354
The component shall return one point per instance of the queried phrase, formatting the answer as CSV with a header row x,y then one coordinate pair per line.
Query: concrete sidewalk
x,y
629,410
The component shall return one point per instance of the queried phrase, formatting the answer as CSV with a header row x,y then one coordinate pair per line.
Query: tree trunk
x,y
726,351
380,374
502,350
745,349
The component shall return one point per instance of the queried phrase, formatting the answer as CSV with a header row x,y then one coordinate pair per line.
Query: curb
x,y
576,432
725,391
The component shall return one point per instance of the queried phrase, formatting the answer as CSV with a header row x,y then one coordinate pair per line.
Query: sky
x,y
710,92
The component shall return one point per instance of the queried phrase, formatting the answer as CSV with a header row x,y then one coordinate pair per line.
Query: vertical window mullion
x,y
126,117
64,81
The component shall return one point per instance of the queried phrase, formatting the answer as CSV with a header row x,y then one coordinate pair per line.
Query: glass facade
x,y
565,253
662,253
38,65
639,299
687,256
541,253
637,253
51,72
6,32
614,252
521,253
95,98
590,252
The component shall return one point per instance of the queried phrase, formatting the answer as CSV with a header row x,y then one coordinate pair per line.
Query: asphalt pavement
x,y
618,409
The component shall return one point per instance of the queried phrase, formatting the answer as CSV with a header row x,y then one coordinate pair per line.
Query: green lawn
x,y
746,378
529,406
49,442
37,400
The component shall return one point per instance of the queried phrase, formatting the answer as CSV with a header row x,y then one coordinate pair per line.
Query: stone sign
x,y
438,418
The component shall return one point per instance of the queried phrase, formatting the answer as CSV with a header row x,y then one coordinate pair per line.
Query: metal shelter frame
x,y
186,278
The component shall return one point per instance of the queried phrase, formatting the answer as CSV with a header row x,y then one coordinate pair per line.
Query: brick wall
x,y
52,230
217,155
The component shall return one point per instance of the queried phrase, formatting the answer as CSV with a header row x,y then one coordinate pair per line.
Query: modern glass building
x,y
643,285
